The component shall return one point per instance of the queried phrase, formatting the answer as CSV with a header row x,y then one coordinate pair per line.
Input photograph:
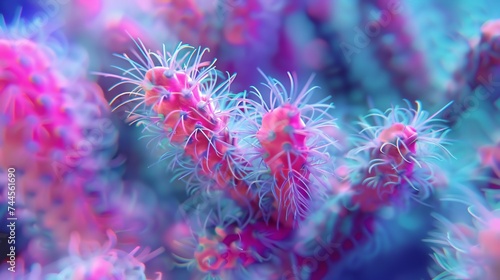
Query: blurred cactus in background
x,y
229,139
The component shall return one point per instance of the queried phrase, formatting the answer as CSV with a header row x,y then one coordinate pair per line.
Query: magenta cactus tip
x,y
178,98
399,147
288,139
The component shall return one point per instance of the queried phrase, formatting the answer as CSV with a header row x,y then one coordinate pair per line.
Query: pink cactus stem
x,y
400,155
288,140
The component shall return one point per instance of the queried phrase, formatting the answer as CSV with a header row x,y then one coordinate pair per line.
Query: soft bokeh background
x,y
361,63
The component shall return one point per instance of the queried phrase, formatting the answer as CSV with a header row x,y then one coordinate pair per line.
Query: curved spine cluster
x,y
397,152
289,142
221,240
179,101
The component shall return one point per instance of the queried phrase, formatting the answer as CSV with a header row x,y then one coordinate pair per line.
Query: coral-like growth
x,y
399,149
289,141
180,102
221,241
270,153
263,181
